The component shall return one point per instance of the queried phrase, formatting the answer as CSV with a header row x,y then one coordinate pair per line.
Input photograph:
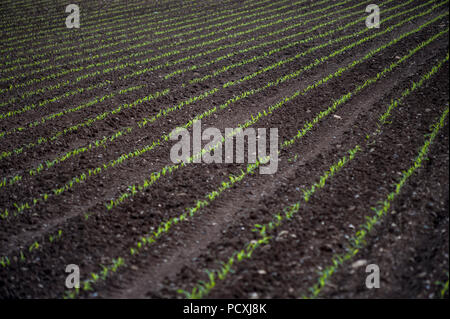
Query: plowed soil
x,y
410,244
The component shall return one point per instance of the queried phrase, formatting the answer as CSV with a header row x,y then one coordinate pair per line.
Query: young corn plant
x,y
140,23
35,81
358,240
156,175
443,287
232,179
204,287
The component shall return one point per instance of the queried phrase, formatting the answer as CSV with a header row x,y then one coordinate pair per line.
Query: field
x,y
86,176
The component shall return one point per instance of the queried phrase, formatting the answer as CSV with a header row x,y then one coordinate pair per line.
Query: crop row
x,y
232,180
164,227
209,42
246,252
35,81
138,152
5,261
18,6
145,70
19,24
128,38
90,103
23,3
249,93
43,103
95,24
50,100
246,50
227,184
141,22
358,241
87,122
219,48
50,6
211,196
140,25
275,42
305,40
144,121
203,288
311,65
134,189
27,108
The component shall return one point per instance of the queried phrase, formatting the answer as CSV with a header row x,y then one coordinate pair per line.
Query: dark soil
x,y
410,245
